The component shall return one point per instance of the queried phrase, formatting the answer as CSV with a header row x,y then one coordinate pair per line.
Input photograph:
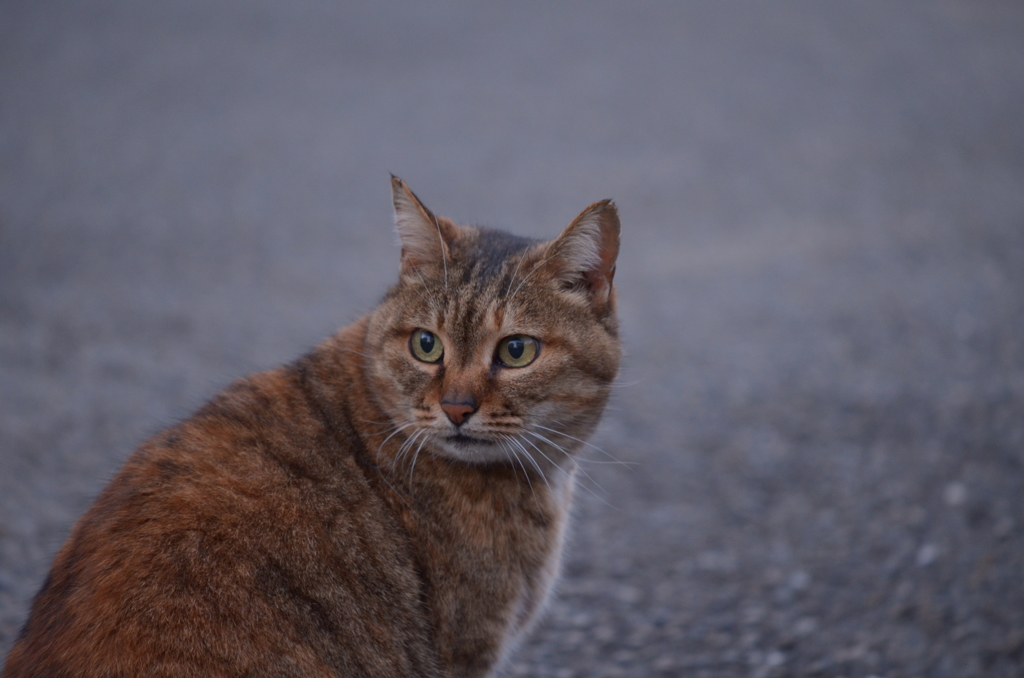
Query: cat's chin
x,y
462,440
470,449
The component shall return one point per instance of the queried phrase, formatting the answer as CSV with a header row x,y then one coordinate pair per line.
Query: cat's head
x,y
491,346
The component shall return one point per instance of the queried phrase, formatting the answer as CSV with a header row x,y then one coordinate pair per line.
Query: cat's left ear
x,y
583,257
424,237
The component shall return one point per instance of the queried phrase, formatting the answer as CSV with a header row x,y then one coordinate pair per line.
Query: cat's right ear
x,y
423,236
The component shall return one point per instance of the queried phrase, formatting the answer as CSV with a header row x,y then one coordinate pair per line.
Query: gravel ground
x,y
821,410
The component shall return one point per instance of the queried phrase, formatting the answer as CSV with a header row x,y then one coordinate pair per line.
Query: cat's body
x,y
391,504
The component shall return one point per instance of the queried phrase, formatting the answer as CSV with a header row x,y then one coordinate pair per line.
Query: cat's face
x,y
494,348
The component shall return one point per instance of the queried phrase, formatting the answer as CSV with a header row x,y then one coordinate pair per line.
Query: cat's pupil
x,y
516,348
427,342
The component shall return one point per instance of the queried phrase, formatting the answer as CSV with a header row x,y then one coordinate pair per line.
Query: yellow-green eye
x,y
426,346
518,350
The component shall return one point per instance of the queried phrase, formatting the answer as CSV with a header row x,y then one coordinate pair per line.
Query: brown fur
x,y
320,520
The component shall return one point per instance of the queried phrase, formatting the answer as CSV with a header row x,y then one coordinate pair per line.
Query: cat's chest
x,y
492,554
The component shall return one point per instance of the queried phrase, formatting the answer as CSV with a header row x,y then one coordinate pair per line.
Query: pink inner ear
x,y
588,248
599,277
421,233
599,286
595,279
608,252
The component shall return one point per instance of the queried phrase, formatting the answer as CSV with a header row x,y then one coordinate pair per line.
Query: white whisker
x,y
416,456
529,456
582,470
513,278
404,448
444,252
625,384
432,302
513,458
591,445
352,350
397,430
527,276
568,454
386,422
509,457
526,473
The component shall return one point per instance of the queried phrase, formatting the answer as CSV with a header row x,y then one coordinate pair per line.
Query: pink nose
x,y
459,412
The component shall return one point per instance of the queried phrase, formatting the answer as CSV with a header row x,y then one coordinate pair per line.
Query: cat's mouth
x,y
463,439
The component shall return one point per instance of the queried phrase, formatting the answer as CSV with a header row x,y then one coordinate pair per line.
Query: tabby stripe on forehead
x,y
469,324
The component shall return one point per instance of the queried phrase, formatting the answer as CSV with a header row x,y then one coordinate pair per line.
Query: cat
x,y
393,503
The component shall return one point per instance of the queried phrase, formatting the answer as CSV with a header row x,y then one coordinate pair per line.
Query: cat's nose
x,y
459,412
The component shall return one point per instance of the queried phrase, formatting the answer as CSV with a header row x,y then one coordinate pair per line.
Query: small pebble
x,y
664,662
628,594
805,626
753,614
714,561
799,580
926,555
581,620
1003,527
955,494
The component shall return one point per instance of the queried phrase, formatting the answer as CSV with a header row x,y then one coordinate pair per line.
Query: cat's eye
x,y
518,350
426,346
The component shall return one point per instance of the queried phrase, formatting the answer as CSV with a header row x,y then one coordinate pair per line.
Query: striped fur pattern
x,y
359,512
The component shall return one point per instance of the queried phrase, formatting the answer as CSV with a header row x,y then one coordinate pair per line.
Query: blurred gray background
x,y
821,286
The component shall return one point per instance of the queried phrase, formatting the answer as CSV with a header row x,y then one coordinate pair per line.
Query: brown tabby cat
x,y
391,504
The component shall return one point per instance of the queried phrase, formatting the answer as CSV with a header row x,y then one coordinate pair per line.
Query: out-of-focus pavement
x,y
822,286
